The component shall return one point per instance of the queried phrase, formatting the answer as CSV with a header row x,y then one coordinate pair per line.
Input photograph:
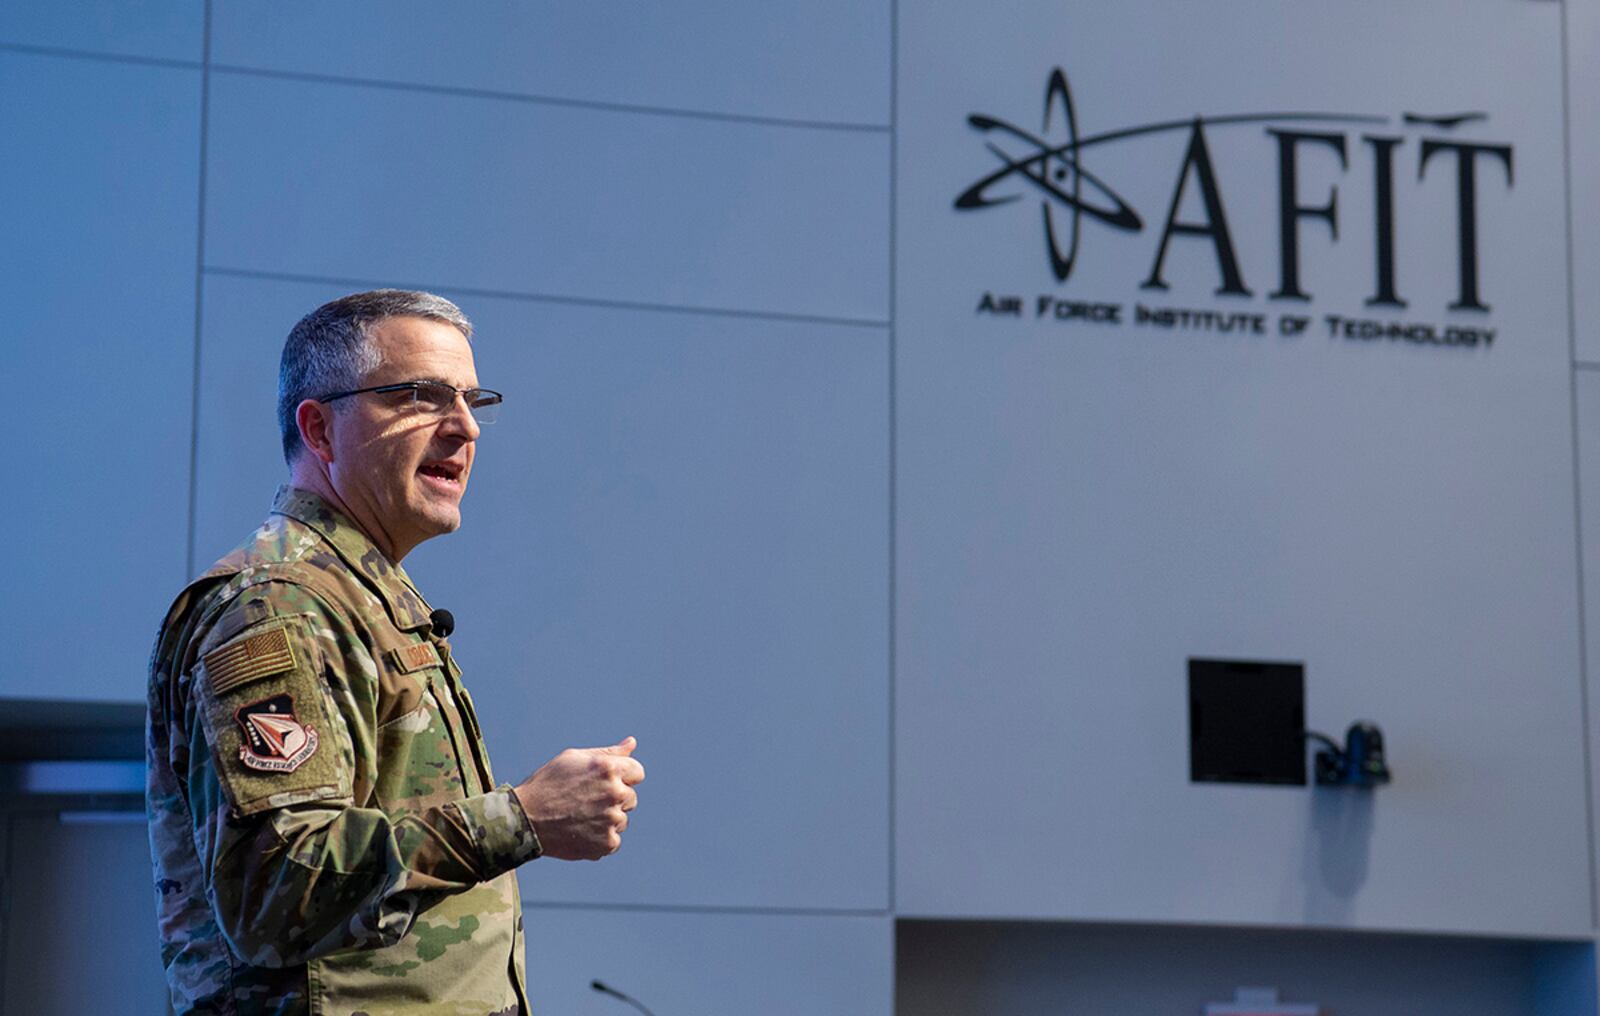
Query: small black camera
x,y
1360,763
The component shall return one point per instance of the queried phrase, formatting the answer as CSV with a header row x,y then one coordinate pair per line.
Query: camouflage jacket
x,y
326,833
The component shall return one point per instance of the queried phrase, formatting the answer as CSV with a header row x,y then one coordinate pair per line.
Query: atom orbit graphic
x,y
1058,174
1057,170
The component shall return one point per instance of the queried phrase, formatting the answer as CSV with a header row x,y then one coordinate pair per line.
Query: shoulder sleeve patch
x,y
275,733
249,659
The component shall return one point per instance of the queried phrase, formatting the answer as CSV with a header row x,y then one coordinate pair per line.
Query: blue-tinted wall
x,y
896,596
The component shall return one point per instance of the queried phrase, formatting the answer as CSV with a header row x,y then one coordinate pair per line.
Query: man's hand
x,y
579,801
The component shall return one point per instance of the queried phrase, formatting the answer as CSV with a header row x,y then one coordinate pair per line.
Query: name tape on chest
x,y
260,655
418,656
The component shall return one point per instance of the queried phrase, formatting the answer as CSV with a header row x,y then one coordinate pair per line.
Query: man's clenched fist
x,y
579,801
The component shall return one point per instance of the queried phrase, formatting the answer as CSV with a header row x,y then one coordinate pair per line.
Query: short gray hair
x,y
330,350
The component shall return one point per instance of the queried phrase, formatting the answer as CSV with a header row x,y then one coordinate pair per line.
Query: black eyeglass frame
x,y
474,397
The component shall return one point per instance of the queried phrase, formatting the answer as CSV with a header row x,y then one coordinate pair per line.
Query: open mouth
x,y
444,472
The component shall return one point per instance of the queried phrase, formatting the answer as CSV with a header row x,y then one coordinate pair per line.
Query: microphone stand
x,y
606,989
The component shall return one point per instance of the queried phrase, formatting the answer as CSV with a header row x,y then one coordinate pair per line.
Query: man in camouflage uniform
x,y
327,835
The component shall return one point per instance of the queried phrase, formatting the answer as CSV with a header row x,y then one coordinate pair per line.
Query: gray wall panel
x,y
1009,969
1066,543
678,530
1082,507
1587,383
1583,113
98,267
328,180
821,61
239,462
82,931
165,29
772,964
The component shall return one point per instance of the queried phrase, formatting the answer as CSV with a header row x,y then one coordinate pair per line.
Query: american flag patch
x,y
241,662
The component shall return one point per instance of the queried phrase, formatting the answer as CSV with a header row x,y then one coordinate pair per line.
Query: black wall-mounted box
x,y
1246,721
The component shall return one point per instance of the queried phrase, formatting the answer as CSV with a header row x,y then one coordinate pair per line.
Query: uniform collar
x,y
389,580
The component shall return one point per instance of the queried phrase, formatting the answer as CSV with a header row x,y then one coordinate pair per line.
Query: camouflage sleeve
x,y
300,859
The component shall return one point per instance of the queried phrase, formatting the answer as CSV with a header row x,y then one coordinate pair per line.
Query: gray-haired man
x,y
327,834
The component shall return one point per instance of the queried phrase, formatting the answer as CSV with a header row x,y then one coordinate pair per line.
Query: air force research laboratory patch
x,y
275,740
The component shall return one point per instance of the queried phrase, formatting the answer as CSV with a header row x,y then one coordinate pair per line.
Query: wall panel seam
x,y
199,295
531,297
710,909
550,100
894,435
87,54
1577,477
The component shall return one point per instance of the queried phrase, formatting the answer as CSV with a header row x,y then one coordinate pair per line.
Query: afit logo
x,y
1053,167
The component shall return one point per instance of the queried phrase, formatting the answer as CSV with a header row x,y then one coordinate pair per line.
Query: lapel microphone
x,y
443,622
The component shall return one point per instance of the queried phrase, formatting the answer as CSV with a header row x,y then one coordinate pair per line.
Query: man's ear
x,y
315,420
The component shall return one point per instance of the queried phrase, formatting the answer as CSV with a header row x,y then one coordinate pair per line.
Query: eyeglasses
x,y
436,397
